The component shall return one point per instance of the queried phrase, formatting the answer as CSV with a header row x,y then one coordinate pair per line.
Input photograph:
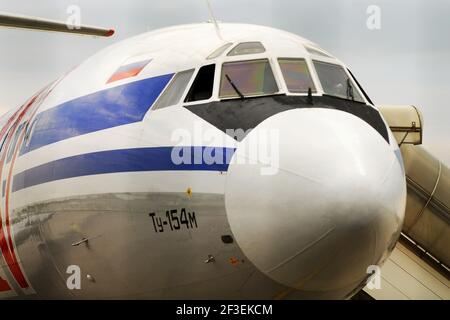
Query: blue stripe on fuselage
x,y
126,160
105,109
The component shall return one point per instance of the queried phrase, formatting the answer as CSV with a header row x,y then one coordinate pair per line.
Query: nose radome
x,y
331,204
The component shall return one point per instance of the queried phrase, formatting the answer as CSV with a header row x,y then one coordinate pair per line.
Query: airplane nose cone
x,y
313,198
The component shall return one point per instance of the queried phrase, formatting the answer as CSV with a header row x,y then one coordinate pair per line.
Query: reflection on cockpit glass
x,y
219,51
296,75
316,52
336,82
251,78
247,48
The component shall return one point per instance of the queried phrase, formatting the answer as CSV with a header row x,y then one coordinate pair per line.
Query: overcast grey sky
x,y
405,62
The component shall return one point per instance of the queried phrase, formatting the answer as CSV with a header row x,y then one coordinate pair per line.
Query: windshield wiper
x,y
309,99
234,87
350,90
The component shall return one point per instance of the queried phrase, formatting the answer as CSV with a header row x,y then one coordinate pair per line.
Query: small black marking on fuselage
x,y
227,239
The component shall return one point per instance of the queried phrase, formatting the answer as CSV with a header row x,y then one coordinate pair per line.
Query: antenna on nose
x,y
213,19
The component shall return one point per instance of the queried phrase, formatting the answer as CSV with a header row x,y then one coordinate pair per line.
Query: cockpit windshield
x,y
336,82
297,76
247,78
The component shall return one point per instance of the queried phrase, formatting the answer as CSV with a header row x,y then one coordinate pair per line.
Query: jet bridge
x,y
419,266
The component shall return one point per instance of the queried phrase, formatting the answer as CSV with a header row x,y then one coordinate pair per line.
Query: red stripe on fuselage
x,y
4,286
6,244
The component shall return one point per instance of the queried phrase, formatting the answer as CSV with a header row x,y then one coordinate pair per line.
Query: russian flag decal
x,y
128,70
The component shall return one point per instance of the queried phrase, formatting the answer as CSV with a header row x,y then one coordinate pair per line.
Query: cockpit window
x,y
336,82
175,90
316,52
296,75
247,78
219,51
13,143
3,140
360,87
203,85
247,48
